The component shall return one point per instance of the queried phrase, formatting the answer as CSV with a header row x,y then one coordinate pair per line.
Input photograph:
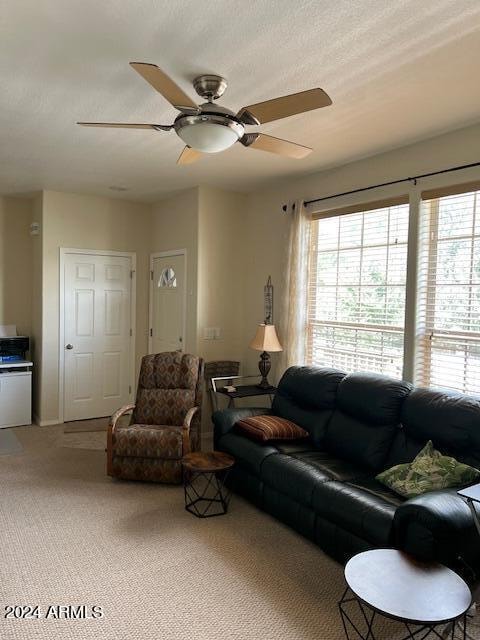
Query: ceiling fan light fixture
x,y
209,134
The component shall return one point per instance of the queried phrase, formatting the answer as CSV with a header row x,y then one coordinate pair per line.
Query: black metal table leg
x,y
414,631
203,490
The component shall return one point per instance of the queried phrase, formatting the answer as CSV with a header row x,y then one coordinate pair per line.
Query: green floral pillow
x,y
429,471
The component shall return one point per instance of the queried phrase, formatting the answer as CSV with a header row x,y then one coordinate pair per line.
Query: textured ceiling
x,y
397,71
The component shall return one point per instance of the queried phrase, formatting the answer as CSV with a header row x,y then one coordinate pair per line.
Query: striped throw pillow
x,y
266,428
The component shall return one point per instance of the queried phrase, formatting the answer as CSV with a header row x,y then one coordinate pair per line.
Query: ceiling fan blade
x,y
189,155
283,107
275,145
126,125
166,86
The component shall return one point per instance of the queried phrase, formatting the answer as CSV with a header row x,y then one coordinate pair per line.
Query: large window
x,y
448,312
357,281
357,267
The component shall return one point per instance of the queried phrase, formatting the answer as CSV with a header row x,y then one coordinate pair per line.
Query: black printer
x,y
14,349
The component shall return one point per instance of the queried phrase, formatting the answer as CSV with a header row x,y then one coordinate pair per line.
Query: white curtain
x,y
294,320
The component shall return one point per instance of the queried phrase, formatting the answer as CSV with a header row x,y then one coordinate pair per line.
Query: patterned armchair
x,y
165,423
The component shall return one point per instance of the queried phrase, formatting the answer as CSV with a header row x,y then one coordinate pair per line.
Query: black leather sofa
x,y
359,424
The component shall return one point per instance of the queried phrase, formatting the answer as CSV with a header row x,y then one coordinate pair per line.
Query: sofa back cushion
x,y
366,419
307,396
450,420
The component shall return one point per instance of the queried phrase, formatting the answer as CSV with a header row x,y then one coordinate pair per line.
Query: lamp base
x,y
264,366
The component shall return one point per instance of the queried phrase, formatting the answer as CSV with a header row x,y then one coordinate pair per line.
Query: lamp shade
x,y
266,339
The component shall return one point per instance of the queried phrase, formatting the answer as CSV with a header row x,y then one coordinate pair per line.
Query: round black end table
x,y
389,583
204,477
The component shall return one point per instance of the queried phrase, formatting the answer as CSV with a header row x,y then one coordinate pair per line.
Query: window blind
x,y
448,305
356,289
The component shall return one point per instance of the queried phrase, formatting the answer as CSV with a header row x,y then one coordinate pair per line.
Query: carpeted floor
x,y
72,536
86,426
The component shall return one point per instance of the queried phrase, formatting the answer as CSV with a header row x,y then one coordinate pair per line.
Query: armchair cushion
x,y
148,441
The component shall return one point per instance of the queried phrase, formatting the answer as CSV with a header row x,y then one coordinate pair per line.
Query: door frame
x,y
167,254
64,251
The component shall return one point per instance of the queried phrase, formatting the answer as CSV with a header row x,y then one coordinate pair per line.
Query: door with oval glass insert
x,y
167,303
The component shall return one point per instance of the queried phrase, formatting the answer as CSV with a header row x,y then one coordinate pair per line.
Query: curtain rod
x,y
387,184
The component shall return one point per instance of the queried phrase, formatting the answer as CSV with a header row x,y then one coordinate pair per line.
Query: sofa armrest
x,y
224,420
438,526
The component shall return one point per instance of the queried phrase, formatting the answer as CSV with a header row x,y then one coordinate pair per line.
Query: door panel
x,y
84,312
83,382
168,303
114,304
97,369
111,374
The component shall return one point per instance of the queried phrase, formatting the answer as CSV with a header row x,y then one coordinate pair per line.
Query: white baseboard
x,y
47,423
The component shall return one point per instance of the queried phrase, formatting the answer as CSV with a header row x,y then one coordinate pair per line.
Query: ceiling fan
x,y
210,128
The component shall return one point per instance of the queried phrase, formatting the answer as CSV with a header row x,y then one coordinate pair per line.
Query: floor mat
x,y
9,443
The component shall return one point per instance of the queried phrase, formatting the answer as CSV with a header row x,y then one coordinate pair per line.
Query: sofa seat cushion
x,y
359,507
333,468
295,447
248,453
292,477
370,485
148,441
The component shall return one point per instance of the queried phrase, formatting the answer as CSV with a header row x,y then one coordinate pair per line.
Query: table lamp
x,y
265,340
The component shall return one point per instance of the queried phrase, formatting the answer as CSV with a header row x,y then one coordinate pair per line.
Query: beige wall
x,y
267,242
174,225
86,222
220,278
16,263
221,272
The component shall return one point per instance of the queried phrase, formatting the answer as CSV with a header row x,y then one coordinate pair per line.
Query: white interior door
x,y
167,303
97,334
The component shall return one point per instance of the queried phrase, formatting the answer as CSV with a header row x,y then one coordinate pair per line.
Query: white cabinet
x,y
15,395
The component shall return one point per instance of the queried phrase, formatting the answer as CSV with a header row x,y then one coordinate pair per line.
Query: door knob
x,y
69,346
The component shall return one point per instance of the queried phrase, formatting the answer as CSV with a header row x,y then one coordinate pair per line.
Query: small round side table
x,y
204,475
390,583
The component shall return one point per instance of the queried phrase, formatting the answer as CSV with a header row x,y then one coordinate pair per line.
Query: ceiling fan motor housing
x,y
214,129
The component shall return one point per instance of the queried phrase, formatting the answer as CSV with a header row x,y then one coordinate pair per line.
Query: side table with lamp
x,y
265,341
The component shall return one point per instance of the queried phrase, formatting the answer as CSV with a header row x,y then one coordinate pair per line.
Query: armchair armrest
x,y
224,420
111,428
186,429
438,526
119,413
